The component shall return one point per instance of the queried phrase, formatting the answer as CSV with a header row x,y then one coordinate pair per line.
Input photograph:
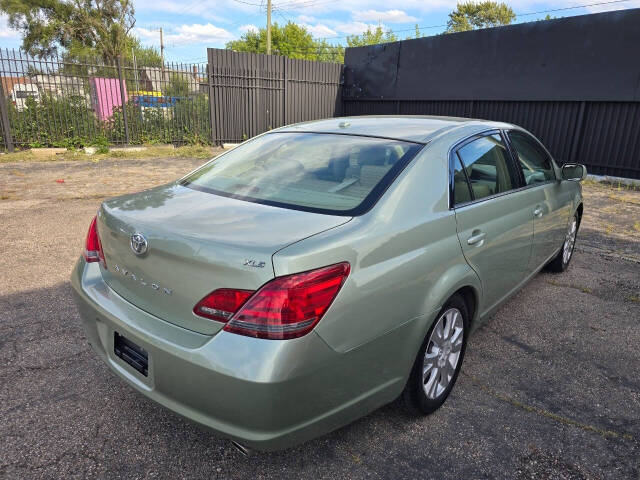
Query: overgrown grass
x,y
153,151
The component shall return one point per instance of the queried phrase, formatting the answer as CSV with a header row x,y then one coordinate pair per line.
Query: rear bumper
x,y
265,394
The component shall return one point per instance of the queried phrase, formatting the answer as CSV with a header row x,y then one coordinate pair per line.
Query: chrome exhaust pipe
x,y
241,448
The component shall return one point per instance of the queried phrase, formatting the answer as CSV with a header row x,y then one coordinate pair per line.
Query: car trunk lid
x,y
197,242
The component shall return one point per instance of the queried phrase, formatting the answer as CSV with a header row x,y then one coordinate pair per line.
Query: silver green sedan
x,y
319,271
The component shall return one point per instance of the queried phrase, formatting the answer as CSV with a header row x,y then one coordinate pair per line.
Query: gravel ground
x,y
549,389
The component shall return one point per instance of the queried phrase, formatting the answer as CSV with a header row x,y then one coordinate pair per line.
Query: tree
x,y
97,27
145,56
472,15
372,37
290,40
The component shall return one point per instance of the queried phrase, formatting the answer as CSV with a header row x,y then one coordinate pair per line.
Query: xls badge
x,y
253,263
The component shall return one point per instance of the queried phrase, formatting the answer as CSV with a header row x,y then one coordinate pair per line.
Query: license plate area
x,y
130,353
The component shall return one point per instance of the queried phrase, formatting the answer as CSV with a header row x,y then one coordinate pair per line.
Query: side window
x,y
535,163
461,189
488,166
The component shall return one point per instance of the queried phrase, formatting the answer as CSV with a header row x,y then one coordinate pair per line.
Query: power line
x,y
303,3
517,15
570,8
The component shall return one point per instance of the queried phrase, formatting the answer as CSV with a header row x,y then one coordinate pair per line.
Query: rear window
x,y
324,173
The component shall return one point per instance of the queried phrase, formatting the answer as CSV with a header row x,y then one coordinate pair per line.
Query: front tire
x,y
561,261
437,365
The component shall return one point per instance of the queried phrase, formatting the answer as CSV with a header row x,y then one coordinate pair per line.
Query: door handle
x,y
538,212
476,238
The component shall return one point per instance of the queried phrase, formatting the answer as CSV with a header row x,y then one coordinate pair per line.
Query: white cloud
x,y
321,31
356,28
199,33
390,16
146,33
5,30
188,34
306,19
248,28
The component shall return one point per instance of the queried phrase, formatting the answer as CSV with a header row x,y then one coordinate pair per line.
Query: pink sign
x,y
105,96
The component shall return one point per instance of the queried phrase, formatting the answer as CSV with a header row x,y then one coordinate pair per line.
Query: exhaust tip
x,y
241,448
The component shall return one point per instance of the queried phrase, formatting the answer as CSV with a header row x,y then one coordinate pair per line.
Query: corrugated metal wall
x,y
610,139
570,81
252,93
603,135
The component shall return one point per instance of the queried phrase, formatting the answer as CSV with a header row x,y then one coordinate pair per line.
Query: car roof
x,y
412,128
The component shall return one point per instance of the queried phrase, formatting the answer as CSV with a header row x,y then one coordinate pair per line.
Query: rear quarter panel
x,y
405,259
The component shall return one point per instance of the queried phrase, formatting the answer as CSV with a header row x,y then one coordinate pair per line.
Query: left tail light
x,y
92,246
285,307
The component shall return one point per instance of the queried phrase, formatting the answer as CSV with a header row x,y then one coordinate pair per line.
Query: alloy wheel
x,y
569,241
443,353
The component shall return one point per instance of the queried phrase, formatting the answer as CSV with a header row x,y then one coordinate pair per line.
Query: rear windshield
x,y
324,173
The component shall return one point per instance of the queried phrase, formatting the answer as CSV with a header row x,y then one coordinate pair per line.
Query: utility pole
x,y
162,50
268,27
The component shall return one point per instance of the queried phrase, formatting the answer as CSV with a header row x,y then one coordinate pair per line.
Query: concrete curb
x,y
629,182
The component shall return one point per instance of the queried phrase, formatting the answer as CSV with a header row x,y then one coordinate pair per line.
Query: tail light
x,y
221,304
286,307
92,247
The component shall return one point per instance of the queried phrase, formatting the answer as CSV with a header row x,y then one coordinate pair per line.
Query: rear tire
x,y
561,261
438,362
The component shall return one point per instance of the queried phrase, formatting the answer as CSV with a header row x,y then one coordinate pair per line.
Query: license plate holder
x,y
131,353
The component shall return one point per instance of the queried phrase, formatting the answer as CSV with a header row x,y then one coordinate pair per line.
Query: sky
x,y
190,26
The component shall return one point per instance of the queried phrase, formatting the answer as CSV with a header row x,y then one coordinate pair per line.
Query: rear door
x,y
549,205
494,220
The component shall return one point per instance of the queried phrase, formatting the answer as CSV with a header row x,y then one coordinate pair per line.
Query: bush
x,y
70,122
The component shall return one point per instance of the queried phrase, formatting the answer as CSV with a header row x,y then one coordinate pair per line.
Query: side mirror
x,y
575,172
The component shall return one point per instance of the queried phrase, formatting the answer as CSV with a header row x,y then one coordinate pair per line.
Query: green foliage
x,y
53,121
472,15
178,85
147,56
290,40
69,122
77,27
101,142
186,122
373,37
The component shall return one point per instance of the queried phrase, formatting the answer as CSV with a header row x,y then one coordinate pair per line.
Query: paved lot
x,y
550,387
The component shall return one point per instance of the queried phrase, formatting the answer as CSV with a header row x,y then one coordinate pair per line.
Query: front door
x,y
494,219
550,206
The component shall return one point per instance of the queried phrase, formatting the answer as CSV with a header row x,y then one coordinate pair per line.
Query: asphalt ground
x,y
550,386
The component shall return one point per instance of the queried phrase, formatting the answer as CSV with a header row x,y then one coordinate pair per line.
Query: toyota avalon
x,y
321,270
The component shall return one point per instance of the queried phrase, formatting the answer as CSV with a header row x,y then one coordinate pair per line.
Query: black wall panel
x,y
573,82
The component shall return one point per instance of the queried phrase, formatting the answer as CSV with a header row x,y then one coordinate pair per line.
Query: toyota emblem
x,y
139,244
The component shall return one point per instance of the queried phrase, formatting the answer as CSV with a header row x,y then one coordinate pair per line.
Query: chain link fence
x,y
55,102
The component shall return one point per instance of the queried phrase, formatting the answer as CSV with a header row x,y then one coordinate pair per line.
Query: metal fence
x,y
252,93
56,102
